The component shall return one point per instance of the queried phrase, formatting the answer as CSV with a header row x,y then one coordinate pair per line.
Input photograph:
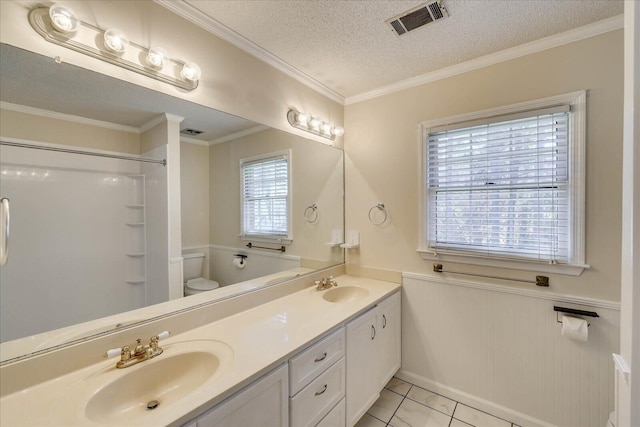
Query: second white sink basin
x,y
345,294
132,395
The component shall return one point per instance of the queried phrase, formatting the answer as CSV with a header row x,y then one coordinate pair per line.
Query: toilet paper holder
x,y
558,309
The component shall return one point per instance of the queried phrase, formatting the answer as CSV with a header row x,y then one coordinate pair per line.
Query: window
x,y
507,185
265,196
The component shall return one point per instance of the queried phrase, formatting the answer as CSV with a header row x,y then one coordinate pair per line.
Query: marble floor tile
x,y
458,423
398,386
369,421
413,414
386,405
478,418
432,400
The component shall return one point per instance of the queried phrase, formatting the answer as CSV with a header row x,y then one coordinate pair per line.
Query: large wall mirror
x,y
89,234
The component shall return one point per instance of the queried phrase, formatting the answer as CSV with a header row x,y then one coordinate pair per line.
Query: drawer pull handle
x,y
373,332
318,393
384,321
320,359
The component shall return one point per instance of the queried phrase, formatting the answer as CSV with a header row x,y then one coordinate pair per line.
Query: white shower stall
x,y
85,233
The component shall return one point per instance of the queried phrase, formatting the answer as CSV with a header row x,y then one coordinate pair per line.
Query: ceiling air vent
x,y
190,132
418,17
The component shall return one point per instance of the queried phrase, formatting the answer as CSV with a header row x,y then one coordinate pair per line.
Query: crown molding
x,y
556,40
160,118
188,140
240,134
216,28
66,117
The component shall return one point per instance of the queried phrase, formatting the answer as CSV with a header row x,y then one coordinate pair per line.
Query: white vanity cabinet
x,y
317,382
373,355
262,403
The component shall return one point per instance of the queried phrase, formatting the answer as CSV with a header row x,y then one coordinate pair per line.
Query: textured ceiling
x,y
347,46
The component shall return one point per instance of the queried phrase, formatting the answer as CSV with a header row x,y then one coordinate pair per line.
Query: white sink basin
x,y
345,294
138,395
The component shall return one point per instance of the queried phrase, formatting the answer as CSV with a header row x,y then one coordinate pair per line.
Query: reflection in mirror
x,y
89,238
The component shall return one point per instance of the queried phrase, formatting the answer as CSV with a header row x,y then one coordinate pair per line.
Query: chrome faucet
x,y
323,284
140,353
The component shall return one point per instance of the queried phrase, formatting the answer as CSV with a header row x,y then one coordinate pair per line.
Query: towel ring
x,y
379,206
311,213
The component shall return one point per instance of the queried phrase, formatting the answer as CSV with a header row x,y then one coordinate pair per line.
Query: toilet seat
x,y
201,285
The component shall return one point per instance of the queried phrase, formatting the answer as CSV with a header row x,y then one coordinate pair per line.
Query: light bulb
x,y
314,123
302,118
327,127
191,72
63,19
115,41
156,57
338,131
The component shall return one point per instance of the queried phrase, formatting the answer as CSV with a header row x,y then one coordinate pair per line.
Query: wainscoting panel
x,y
500,348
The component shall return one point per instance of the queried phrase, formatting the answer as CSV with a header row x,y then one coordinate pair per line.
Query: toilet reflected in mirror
x,y
194,283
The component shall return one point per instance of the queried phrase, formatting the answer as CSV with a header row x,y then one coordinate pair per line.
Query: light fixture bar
x,y
40,21
306,122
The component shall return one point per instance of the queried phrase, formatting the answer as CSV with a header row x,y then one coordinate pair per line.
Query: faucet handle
x,y
114,352
124,353
163,335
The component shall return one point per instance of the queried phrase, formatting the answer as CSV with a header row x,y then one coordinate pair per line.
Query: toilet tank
x,y
192,265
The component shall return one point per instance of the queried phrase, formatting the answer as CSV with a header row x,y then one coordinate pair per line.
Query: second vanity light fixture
x,y
305,121
60,25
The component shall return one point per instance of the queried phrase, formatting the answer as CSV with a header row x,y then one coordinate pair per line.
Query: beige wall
x,y
232,80
194,178
382,155
14,124
316,171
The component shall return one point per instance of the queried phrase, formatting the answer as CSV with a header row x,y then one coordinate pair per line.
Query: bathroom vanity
x,y
308,358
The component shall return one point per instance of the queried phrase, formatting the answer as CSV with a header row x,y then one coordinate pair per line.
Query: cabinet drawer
x,y
304,367
335,418
309,406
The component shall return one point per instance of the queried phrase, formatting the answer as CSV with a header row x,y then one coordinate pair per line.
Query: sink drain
x,y
153,404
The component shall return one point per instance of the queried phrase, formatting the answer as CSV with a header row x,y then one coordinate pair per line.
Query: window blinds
x,y
265,195
501,187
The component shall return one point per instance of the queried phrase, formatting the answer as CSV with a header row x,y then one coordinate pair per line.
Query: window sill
x,y
539,267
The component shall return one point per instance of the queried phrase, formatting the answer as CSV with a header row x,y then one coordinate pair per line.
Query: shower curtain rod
x,y
162,162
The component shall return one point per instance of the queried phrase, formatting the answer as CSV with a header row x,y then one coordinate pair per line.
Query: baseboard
x,y
472,401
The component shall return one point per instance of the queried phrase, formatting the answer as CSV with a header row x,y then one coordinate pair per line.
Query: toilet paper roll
x,y
575,328
239,262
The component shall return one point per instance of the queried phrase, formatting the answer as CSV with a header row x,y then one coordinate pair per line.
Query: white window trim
x,y
263,237
577,151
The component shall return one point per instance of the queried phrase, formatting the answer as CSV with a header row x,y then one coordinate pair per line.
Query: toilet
x,y
194,283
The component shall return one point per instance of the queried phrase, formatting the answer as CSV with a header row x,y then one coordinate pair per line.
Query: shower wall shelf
x,y
136,229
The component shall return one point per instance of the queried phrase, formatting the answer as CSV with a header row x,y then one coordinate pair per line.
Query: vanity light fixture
x,y
115,41
305,121
156,58
63,18
59,24
191,72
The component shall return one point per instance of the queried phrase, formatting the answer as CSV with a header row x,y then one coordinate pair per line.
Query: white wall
x,y
501,350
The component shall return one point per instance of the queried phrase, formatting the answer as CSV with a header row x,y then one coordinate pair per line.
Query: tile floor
x,y
402,404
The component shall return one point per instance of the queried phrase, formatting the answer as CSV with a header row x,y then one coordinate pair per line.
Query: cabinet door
x,y
263,403
362,366
388,338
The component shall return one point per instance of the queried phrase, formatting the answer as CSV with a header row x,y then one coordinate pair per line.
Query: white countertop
x,y
256,340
